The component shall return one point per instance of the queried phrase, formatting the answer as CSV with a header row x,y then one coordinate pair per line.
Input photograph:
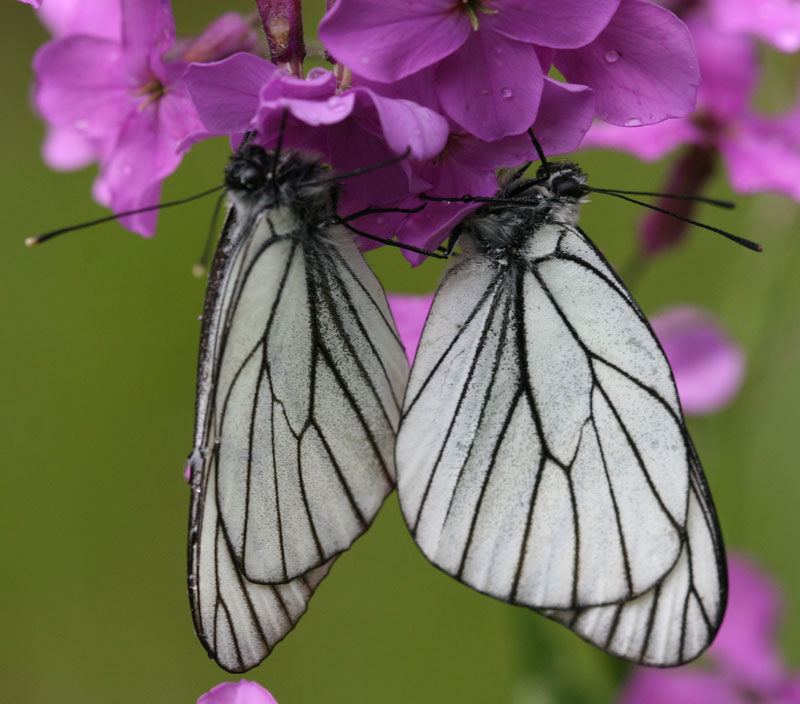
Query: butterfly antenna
x,y
364,169
734,238
401,245
539,150
201,266
38,239
697,199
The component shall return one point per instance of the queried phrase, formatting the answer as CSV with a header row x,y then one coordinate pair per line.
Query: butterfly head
x,y
259,179
559,187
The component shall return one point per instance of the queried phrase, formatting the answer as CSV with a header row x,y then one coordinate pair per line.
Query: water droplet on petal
x,y
484,91
379,221
507,93
633,122
611,57
365,59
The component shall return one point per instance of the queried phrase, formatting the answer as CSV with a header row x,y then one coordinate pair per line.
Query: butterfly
x,y
300,380
542,456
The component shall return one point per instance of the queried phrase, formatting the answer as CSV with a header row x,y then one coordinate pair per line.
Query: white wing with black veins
x,y
543,458
301,379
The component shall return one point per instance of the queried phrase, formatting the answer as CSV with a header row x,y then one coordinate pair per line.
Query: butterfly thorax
x,y
500,230
297,184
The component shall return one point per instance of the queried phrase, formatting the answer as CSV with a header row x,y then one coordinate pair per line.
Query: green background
x,y
100,337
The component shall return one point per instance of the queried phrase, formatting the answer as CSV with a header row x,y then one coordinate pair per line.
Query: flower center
x,y
472,8
153,90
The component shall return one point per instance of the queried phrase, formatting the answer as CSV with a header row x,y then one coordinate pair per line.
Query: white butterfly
x,y
542,456
300,381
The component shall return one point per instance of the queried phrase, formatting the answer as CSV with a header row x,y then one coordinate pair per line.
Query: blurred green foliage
x,y
98,373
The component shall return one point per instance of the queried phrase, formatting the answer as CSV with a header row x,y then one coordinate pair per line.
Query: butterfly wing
x,y
301,376
675,621
542,457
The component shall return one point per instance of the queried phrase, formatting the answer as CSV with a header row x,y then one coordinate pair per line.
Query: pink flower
x,y
243,93
241,692
774,21
742,665
708,366
65,147
119,100
98,18
409,312
486,71
468,165
642,66
761,153
35,3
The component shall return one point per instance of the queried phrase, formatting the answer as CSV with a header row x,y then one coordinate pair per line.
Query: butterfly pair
x,y
538,448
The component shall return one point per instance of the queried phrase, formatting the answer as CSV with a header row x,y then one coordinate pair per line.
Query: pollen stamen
x,y
472,8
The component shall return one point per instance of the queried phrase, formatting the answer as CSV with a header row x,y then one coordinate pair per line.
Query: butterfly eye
x,y
567,186
251,177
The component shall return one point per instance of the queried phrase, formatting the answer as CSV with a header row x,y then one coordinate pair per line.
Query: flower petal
x,y
66,149
71,92
566,24
225,36
730,70
564,116
775,21
241,692
409,313
679,686
745,647
97,18
406,125
491,86
763,154
226,93
148,30
142,158
374,37
648,142
708,366
642,66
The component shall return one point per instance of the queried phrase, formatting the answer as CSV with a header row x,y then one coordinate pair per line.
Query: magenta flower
x,y
98,18
241,692
742,665
486,71
35,3
774,21
66,147
708,366
127,101
760,153
409,312
468,165
642,66
246,93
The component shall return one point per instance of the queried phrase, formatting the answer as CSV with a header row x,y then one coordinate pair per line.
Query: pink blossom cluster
x,y
760,152
454,84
